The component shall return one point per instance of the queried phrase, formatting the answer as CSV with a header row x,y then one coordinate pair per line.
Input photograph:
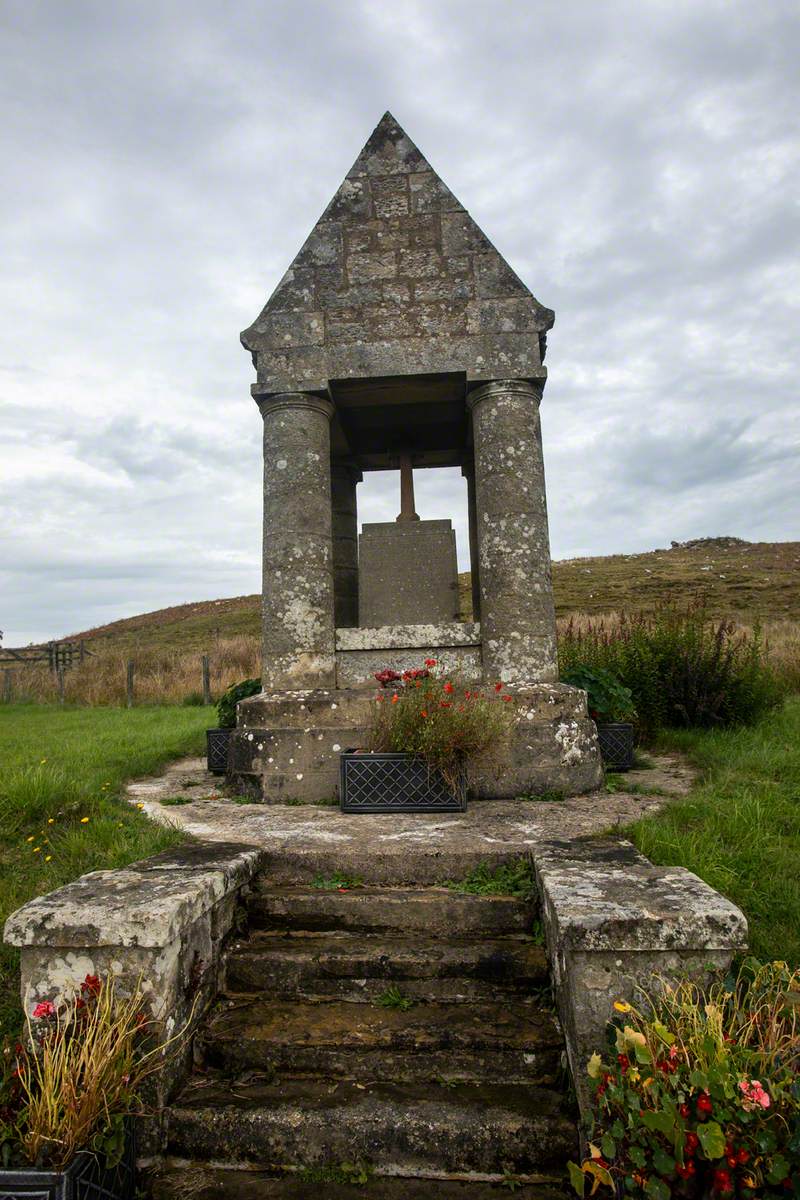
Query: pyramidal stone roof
x,y
396,279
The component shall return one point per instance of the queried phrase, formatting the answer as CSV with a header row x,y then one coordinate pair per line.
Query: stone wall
x,y
161,923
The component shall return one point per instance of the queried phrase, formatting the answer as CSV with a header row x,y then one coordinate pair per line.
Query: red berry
x,y
732,1160
704,1104
722,1181
742,1156
685,1111
623,1061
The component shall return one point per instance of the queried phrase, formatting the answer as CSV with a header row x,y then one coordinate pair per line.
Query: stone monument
x,y
400,336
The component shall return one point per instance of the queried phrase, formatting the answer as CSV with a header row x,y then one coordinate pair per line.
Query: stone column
x,y
344,479
298,604
468,471
518,627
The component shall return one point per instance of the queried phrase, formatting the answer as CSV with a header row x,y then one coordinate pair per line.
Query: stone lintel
x,y
410,637
148,904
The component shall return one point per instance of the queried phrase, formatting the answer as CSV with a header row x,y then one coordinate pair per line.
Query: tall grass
x,y
682,669
161,675
739,828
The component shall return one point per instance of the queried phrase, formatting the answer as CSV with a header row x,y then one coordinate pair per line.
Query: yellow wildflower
x,y
140,806
51,820
622,1006
84,820
42,761
37,849
31,838
47,857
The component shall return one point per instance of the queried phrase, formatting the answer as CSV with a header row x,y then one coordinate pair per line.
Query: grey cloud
x,y
636,163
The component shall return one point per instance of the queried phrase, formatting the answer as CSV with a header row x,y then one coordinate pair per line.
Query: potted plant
x,y
424,731
67,1098
217,740
611,708
697,1093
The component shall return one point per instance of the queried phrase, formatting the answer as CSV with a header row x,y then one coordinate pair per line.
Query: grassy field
x,y
60,815
739,829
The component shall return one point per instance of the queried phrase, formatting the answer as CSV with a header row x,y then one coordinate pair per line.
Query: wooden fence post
x,y
8,685
129,685
206,681
60,678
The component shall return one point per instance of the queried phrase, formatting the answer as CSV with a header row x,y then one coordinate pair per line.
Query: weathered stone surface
x,y
513,1041
329,965
418,910
408,1129
408,573
148,904
204,1182
419,637
393,223
357,668
518,623
617,924
298,604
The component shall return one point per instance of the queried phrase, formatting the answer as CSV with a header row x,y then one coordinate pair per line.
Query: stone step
x,y
436,912
402,1129
361,967
510,1041
178,1180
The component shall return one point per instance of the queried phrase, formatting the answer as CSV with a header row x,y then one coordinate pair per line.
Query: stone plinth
x,y
360,653
286,746
408,573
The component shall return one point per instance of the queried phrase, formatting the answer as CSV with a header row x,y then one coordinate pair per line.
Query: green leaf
x,y
661,1122
656,1188
712,1139
576,1178
662,1162
637,1156
778,1170
608,1146
617,1129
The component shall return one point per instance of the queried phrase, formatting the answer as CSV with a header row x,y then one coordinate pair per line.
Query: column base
x,y
286,747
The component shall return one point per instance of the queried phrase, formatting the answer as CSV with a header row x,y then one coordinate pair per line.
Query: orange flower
x,y
448,687
424,713
445,704
395,698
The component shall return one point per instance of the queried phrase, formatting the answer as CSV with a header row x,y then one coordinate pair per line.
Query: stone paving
x,y
490,830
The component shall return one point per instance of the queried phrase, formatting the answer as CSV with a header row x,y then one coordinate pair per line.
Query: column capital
x,y
286,400
496,388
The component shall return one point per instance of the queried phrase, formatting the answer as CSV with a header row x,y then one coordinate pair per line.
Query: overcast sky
x,y
637,163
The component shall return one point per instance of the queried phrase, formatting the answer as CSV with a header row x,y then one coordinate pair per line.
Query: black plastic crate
x,y
86,1178
376,783
616,745
217,742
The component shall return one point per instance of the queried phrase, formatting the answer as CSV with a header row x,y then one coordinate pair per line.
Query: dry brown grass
x,y
161,675
174,676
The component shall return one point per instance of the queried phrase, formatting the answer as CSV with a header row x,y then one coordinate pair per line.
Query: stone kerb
x,y
616,925
162,921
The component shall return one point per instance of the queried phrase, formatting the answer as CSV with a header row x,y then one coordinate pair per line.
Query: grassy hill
x,y
745,580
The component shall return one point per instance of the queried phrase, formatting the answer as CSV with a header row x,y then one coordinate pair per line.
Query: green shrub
x,y
609,700
683,670
226,705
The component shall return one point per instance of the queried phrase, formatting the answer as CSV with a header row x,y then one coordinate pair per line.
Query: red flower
x,y
685,1111
498,687
691,1143
507,698
704,1104
430,662
395,698
722,1181
742,1156
45,1008
424,713
445,704
448,687
92,985
687,1170
623,1061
